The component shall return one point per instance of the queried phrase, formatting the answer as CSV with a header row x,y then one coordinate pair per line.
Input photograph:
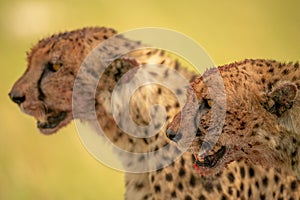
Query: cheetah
x,y
261,123
45,92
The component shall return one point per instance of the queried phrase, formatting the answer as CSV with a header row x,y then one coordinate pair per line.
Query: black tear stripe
x,y
197,119
41,95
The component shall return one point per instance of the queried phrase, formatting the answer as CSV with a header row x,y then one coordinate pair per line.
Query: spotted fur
x,y
46,94
262,108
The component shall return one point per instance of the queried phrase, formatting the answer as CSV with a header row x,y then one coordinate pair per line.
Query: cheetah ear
x,y
281,98
126,65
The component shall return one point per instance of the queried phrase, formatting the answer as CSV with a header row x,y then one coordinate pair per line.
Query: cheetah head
x,y
44,91
228,116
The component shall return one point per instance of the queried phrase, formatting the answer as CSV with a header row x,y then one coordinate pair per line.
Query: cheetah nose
x,y
171,134
18,99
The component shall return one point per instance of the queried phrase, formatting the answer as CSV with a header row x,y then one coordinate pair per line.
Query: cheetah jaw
x,y
54,122
211,158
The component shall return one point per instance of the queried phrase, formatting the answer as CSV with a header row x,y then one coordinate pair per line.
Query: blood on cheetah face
x,y
257,116
45,89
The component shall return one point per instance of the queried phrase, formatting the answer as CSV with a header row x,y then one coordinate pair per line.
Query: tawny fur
x,y
262,113
47,94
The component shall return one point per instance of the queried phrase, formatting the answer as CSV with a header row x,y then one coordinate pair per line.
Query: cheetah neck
x,y
281,149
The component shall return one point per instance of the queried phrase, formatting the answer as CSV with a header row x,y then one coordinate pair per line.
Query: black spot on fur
x,y
242,187
141,158
294,153
278,147
202,197
285,72
152,178
187,197
224,197
157,189
267,138
180,186
249,192
181,172
139,185
251,172
230,177
294,185
219,187
276,178
173,194
265,181
257,184
209,187
230,192
145,140
182,161
242,171
243,125
270,86
159,91
281,188
169,177
130,140
192,181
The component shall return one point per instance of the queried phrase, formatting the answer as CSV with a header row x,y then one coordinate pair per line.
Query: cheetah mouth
x,y
53,123
212,158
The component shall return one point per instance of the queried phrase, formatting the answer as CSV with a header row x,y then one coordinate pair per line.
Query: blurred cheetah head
x,y
44,91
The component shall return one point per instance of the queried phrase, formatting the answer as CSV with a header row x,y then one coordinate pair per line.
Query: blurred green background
x,y
34,166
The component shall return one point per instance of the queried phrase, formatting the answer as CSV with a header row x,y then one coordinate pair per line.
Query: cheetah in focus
x,y
45,92
262,116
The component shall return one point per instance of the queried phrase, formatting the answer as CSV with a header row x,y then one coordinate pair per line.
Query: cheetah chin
x,y
214,161
54,122
211,158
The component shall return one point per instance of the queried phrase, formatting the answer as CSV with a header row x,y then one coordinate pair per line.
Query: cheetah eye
x,y
54,67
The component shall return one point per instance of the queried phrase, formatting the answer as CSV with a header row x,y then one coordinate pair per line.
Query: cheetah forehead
x,y
81,36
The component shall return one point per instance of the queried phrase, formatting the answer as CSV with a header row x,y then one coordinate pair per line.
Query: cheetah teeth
x,y
41,119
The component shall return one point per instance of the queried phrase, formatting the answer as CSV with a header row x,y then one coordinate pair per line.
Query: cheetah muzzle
x,y
212,159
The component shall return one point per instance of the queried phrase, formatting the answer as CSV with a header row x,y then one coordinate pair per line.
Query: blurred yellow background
x,y
34,166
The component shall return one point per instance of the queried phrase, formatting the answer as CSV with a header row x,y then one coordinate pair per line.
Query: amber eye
x,y
54,67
